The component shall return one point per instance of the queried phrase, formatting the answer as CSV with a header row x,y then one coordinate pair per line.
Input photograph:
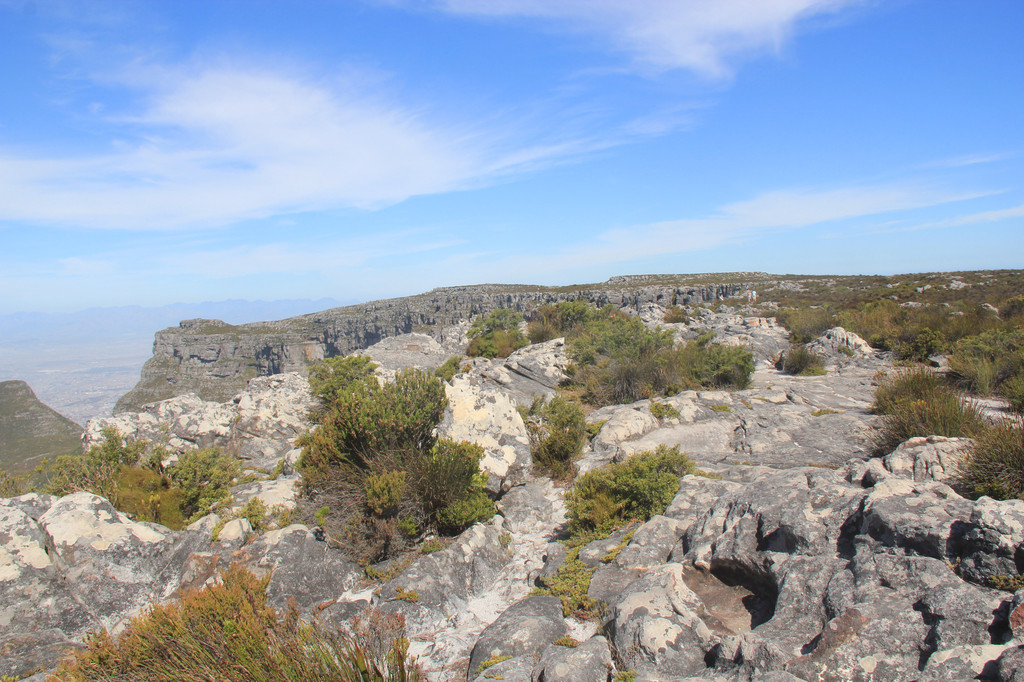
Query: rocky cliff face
x,y
30,430
215,360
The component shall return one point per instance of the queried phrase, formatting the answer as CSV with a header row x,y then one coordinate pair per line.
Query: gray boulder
x,y
527,627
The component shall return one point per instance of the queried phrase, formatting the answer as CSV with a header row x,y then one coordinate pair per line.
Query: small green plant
x,y
570,584
11,486
664,411
823,411
567,641
433,545
676,315
1008,583
390,571
912,404
800,361
403,594
332,377
557,430
624,676
321,515
594,428
614,551
491,662
384,492
621,492
228,632
449,369
994,465
721,408
256,513
505,539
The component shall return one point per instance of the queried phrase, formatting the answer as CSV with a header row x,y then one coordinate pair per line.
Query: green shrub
x,y
148,496
97,471
12,486
983,363
497,335
384,492
801,361
721,408
921,345
1013,390
634,490
994,465
256,513
375,464
570,584
1012,308
371,418
331,377
557,430
227,632
553,320
705,364
205,478
676,315
664,411
448,370
916,403
807,324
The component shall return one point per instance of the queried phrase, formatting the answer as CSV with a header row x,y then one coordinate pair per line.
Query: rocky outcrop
x,y
30,431
259,425
214,360
849,569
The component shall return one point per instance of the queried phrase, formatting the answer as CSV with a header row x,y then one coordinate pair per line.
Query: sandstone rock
x,y
489,419
406,351
591,661
528,627
930,458
655,625
831,343
534,370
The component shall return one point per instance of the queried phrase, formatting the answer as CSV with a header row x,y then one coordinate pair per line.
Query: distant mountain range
x,y
80,363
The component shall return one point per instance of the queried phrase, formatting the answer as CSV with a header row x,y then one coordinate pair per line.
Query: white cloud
x,y
760,217
704,36
223,144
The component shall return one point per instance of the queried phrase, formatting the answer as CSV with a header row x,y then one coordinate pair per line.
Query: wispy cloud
x,y
703,36
995,216
766,214
221,144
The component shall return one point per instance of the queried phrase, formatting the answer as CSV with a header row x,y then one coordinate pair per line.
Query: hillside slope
x,y
30,430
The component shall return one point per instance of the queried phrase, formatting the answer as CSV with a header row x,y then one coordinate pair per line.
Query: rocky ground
x,y
803,560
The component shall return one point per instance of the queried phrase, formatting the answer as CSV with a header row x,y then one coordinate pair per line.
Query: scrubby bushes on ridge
x,y
917,403
558,430
383,477
497,335
228,632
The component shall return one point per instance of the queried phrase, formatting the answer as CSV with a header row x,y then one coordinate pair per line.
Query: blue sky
x,y
159,152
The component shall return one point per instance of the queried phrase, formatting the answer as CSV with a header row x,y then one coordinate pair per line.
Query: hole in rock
x,y
735,601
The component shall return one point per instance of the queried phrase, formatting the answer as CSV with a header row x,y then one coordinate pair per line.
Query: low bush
x,y
570,584
676,315
204,478
663,411
918,403
557,430
497,335
228,632
919,345
801,361
983,364
807,324
174,496
448,370
994,465
634,490
331,377
12,486
376,466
